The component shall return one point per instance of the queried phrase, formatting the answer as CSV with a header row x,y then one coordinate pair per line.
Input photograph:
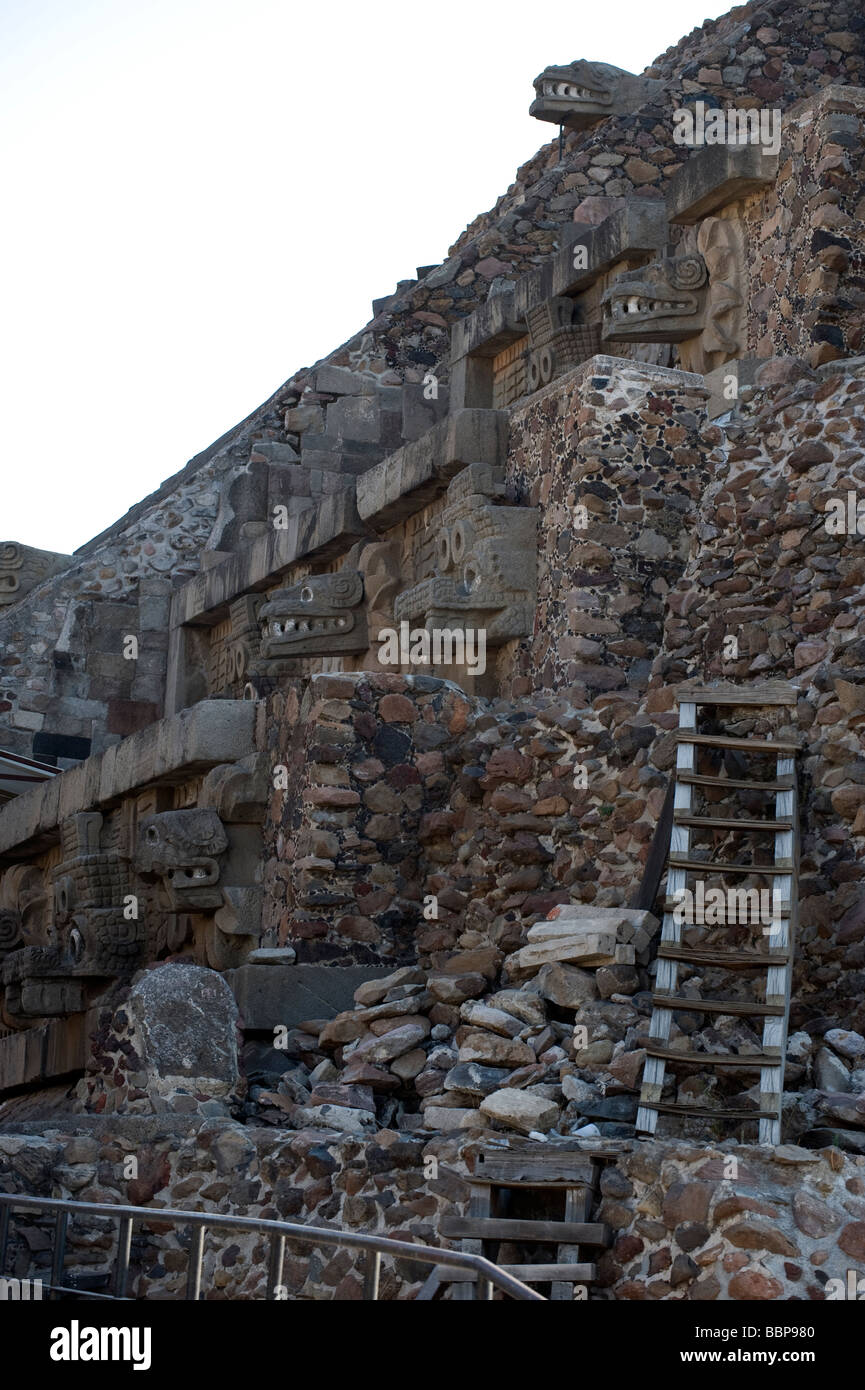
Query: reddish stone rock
x,y
507,765
633,1289
690,1235
852,1240
628,1247
757,1235
397,709
753,1284
705,1289
686,1201
814,1217
736,1204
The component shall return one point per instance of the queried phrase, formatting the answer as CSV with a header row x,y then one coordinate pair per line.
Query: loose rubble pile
x,y
543,1040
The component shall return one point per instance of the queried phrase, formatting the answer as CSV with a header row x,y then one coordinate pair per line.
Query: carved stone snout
x,y
183,849
664,302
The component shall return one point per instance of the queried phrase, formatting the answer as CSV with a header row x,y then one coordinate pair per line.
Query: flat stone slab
x,y
269,995
411,477
716,175
326,528
168,752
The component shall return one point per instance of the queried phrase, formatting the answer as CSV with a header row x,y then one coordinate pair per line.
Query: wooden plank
x,y
697,1112
744,745
711,1059
528,1170
728,960
555,1232
644,899
735,1007
699,779
479,1209
719,866
674,904
578,1201
732,823
767,693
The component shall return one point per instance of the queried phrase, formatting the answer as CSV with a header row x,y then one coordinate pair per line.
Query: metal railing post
x,y
5,1218
371,1276
124,1247
60,1224
277,1256
196,1250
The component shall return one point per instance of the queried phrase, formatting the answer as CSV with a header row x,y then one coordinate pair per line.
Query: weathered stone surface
x,y
187,1020
475,1079
520,1110
491,1050
391,1045
566,986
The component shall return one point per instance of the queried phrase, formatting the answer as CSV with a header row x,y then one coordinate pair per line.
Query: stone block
x,y
355,417
185,1019
403,483
342,381
268,994
716,175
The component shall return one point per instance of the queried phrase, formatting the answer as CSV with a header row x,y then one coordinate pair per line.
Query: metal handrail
x,y
489,1275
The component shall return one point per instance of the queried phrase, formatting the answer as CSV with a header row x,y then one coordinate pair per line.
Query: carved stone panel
x,y
183,848
485,567
22,568
322,615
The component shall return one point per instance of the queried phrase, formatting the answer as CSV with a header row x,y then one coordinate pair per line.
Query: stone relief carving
x,y
695,298
580,94
558,340
320,615
22,568
721,242
89,935
183,849
379,563
485,568
662,302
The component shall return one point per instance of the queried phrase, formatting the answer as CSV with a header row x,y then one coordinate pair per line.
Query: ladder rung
x,y
698,1112
741,1007
723,920
755,1060
731,823
699,779
731,960
555,1232
745,745
720,866
769,693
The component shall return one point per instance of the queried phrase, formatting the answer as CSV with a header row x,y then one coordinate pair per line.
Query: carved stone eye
x,y
306,594
152,834
688,272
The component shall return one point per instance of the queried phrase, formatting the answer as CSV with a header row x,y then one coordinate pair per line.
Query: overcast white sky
x,y
202,196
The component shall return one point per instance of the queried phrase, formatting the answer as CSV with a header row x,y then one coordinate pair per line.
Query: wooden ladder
x,y
500,1175
780,936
